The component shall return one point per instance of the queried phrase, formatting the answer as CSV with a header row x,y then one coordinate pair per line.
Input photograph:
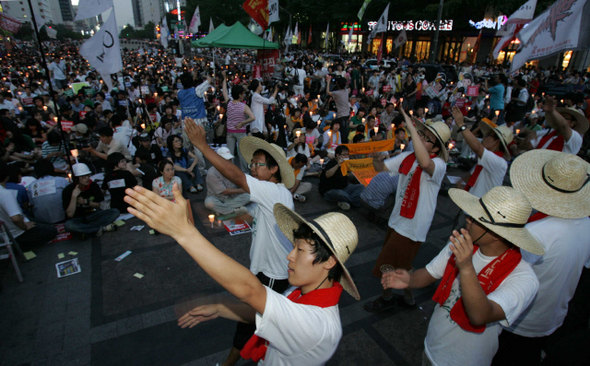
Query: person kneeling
x,y
223,196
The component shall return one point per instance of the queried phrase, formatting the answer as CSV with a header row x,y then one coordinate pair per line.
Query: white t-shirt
x,y
446,343
297,334
567,251
416,228
8,208
331,142
298,150
258,102
492,174
270,247
572,146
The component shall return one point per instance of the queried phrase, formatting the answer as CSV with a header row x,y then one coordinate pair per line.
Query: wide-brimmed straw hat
x,y
249,145
442,132
504,134
503,210
556,183
336,231
581,126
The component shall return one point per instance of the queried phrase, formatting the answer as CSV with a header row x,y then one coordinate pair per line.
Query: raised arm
x,y
171,219
224,87
470,138
228,169
555,119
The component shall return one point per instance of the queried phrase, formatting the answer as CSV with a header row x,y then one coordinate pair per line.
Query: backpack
x,y
295,78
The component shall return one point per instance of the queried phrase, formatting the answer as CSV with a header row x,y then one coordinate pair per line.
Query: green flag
x,y
363,8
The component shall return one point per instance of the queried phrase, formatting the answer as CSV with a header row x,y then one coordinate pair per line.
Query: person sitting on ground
x,y
162,185
485,284
116,179
331,138
223,196
334,185
315,267
379,195
146,168
299,163
299,145
154,152
81,202
108,145
357,119
421,174
45,194
185,164
295,120
26,233
14,185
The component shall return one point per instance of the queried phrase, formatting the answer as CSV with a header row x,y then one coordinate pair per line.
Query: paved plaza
x,y
106,316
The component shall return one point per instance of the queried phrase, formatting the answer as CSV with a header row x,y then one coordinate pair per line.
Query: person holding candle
x,y
420,176
331,138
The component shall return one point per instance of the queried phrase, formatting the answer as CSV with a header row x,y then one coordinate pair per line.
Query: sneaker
x,y
344,206
299,197
110,227
192,190
380,304
98,233
199,187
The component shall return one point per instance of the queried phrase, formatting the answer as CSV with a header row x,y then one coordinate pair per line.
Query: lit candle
x,y
322,162
319,121
402,146
156,95
561,101
376,129
392,126
211,219
55,119
401,100
143,126
297,133
517,131
363,120
218,107
139,100
497,113
411,112
285,127
70,177
425,110
330,133
451,145
45,108
74,153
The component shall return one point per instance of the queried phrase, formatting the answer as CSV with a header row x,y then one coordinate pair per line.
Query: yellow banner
x,y
356,165
365,176
370,147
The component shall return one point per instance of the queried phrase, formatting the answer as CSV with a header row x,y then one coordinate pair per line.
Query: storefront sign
x,y
489,23
419,25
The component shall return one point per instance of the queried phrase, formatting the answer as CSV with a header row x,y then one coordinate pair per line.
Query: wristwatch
x,y
462,128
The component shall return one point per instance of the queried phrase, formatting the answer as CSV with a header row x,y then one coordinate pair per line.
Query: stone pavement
x,y
106,316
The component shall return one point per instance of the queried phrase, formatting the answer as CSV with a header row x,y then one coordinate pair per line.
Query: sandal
x,y
199,187
192,190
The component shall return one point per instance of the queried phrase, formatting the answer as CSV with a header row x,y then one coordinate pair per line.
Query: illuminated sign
x,y
419,25
489,23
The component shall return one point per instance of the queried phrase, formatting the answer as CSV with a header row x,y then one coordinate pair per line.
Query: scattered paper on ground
x,y
73,253
29,255
60,255
152,232
119,222
138,275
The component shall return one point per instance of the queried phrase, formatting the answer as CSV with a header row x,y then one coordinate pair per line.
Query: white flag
x,y
562,27
273,11
211,27
195,22
327,34
254,27
288,37
90,8
514,24
350,33
103,51
401,39
381,25
296,32
164,33
40,22
51,33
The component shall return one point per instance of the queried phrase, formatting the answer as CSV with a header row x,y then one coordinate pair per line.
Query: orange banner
x,y
370,147
365,176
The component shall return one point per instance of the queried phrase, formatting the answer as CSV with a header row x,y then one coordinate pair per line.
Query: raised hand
x,y
196,133
462,248
458,116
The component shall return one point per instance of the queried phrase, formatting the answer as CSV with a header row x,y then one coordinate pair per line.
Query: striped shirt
x,y
235,115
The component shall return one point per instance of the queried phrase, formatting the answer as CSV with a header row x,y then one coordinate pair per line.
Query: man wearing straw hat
x,y
269,183
557,186
420,175
568,125
492,153
301,329
485,283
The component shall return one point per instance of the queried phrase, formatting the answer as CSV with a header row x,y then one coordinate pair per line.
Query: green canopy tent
x,y
236,36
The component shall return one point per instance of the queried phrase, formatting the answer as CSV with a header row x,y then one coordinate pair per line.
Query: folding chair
x,y
9,243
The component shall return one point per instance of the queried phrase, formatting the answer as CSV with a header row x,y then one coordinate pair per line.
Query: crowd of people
x,y
258,141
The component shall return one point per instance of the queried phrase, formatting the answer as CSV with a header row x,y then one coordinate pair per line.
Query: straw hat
x,y
249,145
442,132
581,126
503,133
555,183
334,228
503,210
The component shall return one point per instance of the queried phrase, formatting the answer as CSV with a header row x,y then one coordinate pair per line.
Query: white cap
x,y
225,153
80,169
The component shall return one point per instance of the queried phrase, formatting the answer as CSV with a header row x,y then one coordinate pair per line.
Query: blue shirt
x,y
496,97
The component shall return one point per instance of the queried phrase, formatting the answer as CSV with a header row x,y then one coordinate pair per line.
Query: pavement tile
x,y
129,325
347,353
103,332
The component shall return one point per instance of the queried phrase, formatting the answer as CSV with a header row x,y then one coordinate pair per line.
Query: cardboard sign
x,y
67,125
383,101
365,176
369,93
386,88
472,91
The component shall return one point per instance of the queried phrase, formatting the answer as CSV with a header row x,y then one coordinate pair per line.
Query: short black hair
x,y
162,165
270,163
301,158
320,249
13,171
53,137
113,160
340,149
358,138
236,91
44,167
105,131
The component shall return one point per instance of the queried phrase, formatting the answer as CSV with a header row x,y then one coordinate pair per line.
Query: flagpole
x,y
50,86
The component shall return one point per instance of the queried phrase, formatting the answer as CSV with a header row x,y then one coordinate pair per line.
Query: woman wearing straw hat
x,y
269,183
568,125
303,329
420,175
485,281
557,186
492,153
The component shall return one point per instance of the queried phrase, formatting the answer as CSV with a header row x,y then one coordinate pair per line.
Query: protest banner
x,y
365,176
370,147
268,59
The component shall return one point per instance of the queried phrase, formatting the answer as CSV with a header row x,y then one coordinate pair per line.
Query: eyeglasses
x,y
425,137
255,165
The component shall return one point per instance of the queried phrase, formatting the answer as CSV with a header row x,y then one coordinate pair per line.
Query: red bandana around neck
x,y
477,171
87,187
412,194
490,277
557,143
256,347
536,217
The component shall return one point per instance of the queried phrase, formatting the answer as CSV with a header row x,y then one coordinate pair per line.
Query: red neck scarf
x,y
256,347
538,216
556,144
412,194
490,277
476,171
87,187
